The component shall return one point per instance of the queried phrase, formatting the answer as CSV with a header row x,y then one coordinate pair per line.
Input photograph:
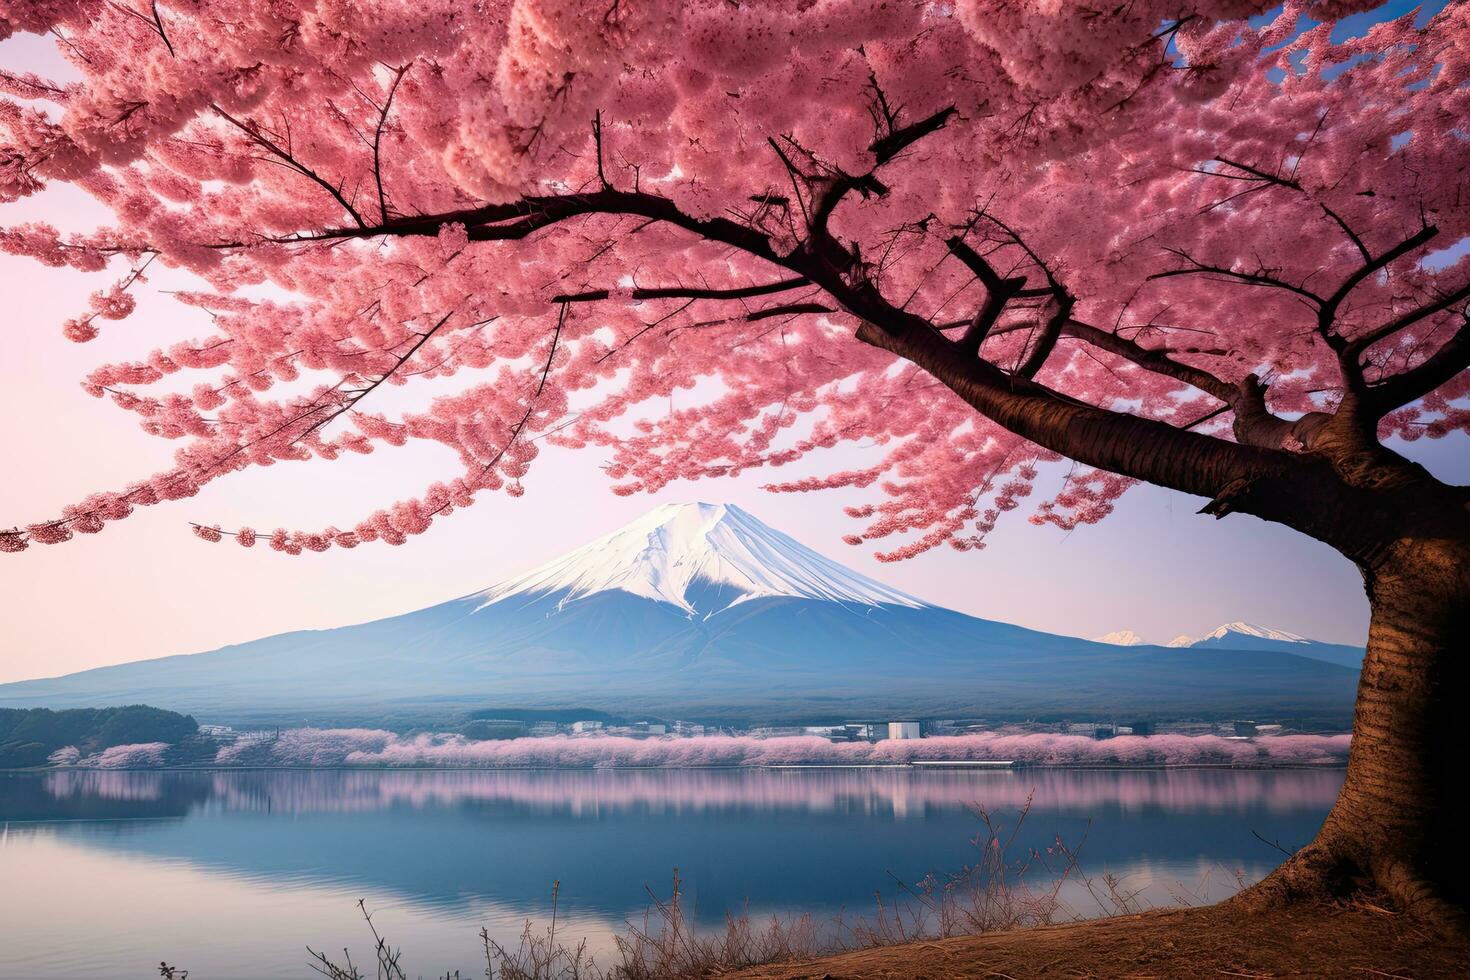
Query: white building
x,y
903,729
586,726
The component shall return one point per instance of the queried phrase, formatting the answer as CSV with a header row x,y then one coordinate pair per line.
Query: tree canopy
x,y
1191,243
29,735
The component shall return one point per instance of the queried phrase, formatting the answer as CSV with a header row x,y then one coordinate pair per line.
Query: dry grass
x,y
1331,942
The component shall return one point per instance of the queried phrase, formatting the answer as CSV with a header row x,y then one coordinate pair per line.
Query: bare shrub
x,y
1000,890
667,946
539,956
387,958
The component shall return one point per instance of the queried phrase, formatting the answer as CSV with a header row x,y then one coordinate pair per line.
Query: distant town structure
x,y
225,734
897,729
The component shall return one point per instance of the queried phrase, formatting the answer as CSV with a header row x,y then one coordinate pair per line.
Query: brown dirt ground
x,y
1359,941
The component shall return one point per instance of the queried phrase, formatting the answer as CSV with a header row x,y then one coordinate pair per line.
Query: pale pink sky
x,y
147,587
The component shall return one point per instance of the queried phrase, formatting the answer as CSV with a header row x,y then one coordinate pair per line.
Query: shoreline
x,y
921,766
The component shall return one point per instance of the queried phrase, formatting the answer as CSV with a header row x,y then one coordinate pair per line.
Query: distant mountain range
x,y
701,611
1248,636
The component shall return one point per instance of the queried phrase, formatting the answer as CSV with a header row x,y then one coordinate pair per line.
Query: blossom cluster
x,y
580,220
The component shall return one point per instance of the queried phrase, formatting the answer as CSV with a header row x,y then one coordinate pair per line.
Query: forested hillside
x,y
29,735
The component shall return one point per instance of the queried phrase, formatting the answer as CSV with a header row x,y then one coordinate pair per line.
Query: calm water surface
x,y
233,874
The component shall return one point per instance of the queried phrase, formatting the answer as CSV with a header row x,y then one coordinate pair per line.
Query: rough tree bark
x,y
1397,820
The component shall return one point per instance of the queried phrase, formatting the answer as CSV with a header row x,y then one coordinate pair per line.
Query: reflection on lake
x,y
231,874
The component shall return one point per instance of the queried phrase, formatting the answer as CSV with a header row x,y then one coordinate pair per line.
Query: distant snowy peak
x,y
700,558
1220,636
1121,638
1249,629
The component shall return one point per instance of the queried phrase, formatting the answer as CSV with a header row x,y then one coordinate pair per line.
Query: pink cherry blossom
x,y
654,229
373,747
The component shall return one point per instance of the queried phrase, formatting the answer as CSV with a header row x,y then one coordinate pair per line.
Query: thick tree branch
x,y
787,309
887,147
1156,361
1046,342
689,292
828,190
1298,490
1119,443
518,219
998,292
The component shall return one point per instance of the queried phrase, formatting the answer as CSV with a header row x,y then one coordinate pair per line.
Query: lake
x,y
231,874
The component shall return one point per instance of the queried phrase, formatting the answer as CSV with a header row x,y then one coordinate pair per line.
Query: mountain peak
x,y
702,558
1219,636
1250,629
1121,638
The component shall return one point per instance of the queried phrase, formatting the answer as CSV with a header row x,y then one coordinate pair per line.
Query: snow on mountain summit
x,y
1220,636
678,553
1259,632
1121,638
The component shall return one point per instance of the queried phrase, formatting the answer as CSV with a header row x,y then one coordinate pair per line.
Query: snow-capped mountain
x,y
1247,636
1121,638
1251,636
700,611
1237,631
702,558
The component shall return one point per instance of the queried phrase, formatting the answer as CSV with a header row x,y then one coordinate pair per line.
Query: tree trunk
x,y
1397,824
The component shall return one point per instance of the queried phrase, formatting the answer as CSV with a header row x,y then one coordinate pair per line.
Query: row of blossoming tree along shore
x,y
367,747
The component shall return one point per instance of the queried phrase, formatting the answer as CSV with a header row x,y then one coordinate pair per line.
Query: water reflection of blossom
x,y
676,791
116,785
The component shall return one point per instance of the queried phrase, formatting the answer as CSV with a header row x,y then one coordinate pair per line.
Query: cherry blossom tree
x,y
1193,243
